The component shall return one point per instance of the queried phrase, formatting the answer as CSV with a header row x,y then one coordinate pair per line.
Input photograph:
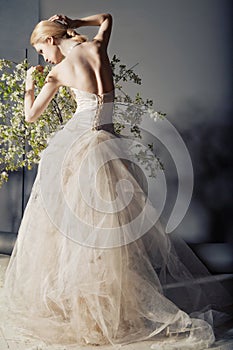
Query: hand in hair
x,y
70,23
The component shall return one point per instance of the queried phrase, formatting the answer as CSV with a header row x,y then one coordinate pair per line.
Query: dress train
x,y
90,264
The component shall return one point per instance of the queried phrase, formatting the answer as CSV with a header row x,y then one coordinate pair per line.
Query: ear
x,y
51,40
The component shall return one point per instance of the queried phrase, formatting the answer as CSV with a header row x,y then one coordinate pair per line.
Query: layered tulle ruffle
x,y
92,264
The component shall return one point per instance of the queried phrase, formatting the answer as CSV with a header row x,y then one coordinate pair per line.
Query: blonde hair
x,y
46,29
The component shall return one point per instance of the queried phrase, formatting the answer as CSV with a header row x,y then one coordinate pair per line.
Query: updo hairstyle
x,y
55,29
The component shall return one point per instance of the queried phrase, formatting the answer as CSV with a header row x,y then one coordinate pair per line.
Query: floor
x,y
10,340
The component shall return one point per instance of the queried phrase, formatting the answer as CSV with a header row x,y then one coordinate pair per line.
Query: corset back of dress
x,y
94,111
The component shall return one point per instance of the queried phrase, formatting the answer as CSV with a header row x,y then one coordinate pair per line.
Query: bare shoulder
x,y
56,74
86,46
52,77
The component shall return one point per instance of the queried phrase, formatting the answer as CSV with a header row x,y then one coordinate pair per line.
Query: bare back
x,y
86,68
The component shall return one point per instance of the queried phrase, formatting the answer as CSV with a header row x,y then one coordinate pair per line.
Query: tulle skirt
x,y
92,263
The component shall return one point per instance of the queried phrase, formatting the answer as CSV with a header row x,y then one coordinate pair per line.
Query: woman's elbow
x,y
107,16
29,118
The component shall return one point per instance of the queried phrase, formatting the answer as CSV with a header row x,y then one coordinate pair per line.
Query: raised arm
x,y
103,20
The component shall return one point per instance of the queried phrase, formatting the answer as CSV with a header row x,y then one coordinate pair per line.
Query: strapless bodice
x,y
85,98
94,111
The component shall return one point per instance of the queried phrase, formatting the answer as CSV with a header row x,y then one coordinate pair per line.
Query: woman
x,y
88,266
85,67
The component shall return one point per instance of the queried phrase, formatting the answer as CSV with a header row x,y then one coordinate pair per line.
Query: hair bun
x,y
71,32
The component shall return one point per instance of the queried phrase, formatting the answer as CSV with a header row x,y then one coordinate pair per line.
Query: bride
x,y
90,264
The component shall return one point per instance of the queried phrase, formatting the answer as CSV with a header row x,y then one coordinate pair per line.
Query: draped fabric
x,y
92,263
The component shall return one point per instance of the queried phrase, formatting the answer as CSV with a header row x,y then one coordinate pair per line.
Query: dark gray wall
x,y
17,18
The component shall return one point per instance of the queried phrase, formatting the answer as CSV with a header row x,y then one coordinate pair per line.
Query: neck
x,y
66,46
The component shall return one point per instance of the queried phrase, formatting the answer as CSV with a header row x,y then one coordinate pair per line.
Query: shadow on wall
x,y
209,141
207,225
11,207
10,203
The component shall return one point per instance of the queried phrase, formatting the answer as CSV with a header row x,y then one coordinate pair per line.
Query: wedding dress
x,y
92,264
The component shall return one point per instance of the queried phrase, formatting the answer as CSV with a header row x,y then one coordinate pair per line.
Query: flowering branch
x,y
14,131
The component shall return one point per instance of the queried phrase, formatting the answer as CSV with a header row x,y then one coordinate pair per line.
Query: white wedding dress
x,y
90,264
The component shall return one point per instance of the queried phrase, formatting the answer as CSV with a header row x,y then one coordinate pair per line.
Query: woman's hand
x,y
70,23
29,77
32,69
